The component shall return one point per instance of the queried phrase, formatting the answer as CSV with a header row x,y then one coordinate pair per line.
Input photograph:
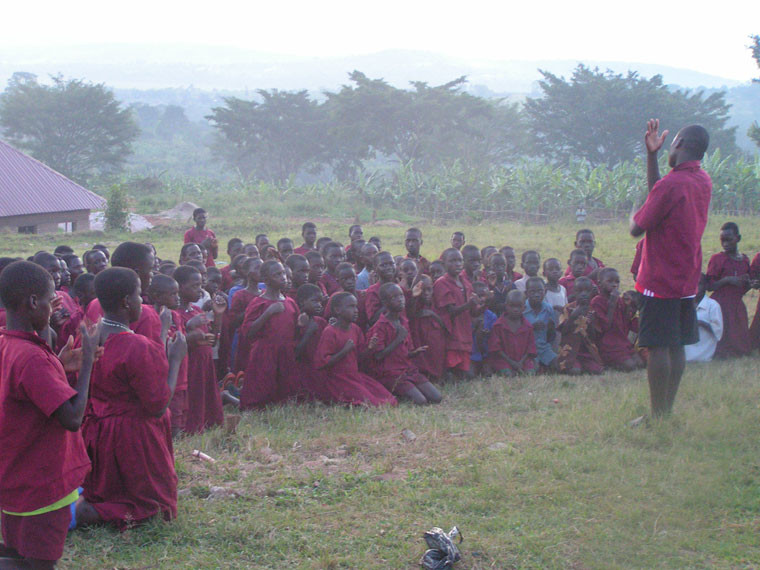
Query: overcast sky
x,y
707,37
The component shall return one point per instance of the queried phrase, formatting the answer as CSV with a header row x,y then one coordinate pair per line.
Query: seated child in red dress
x,y
585,240
333,254
393,351
204,401
437,270
299,273
270,325
614,318
512,345
340,347
455,303
316,269
576,265
427,329
578,352
347,281
385,270
164,292
128,432
728,277
42,457
498,283
309,329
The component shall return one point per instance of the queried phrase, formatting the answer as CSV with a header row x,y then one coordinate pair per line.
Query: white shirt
x,y
709,312
556,298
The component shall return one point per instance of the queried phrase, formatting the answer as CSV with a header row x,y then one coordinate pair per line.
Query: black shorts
x,y
667,322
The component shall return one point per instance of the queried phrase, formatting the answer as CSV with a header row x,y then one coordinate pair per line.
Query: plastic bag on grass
x,y
442,553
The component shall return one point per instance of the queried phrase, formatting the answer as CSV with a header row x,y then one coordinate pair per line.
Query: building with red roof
x,y
35,198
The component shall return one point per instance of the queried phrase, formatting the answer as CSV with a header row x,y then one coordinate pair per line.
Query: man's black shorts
x,y
667,322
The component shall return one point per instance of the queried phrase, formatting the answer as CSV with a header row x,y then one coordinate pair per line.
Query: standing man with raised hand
x,y
674,218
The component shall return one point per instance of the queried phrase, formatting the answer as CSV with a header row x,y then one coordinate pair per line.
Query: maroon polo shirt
x,y
674,218
194,235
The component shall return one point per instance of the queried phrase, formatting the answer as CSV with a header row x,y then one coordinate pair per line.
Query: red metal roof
x,y
29,187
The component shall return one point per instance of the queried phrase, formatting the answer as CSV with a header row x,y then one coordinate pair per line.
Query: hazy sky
x,y
708,37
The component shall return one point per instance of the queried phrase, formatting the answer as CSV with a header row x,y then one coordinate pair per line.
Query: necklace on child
x,y
115,324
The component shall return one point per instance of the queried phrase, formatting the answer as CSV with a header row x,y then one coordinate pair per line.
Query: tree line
x,y
368,125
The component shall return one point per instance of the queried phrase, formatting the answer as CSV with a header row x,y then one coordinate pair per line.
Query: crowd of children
x,y
102,366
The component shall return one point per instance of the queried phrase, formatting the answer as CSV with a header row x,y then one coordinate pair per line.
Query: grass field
x,y
530,481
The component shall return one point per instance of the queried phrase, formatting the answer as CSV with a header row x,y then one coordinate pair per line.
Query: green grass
x,y
530,482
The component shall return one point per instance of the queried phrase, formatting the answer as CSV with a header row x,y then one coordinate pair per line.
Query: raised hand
x,y
373,342
220,304
303,320
418,350
176,348
276,308
166,318
653,139
417,289
349,346
70,357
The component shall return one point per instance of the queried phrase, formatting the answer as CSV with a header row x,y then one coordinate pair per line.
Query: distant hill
x,y
225,68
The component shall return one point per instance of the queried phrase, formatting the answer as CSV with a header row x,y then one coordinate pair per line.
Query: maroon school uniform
x,y
132,477
588,271
41,461
754,329
515,344
612,338
423,265
269,374
372,301
312,379
240,301
329,284
637,258
361,301
446,292
178,405
227,279
343,381
204,401
427,329
735,340
70,328
194,235
148,325
303,250
397,371
568,282
674,218
578,349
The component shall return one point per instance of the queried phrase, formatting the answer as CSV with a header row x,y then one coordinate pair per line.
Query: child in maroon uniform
x,y
576,264
585,240
95,261
385,269
127,433
239,302
614,318
203,236
42,457
204,402
164,291
455,303
509,254
309,234
234,248
270,325
578,352
457,240
340,347
394,349
427,329
728,276
299,273
512,344
316,268
333,254
413,242
471,261
308,332
347,281
139,258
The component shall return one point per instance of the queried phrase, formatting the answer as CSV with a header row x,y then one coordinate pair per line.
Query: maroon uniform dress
x,y
397,371
427,329
227,280
515,344
240,302
329,284
578,349
70,328
372,301
446,292
41,461
128,434
568,282
343,381
754,329
312,379
194,235
588,271
612,337
303,250
735,340
148,325
423,265
270,376
178,405
361,301
204,400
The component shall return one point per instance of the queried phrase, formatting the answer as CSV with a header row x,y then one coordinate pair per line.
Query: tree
x,y
270,140
600,116
76,128
754,129
116,209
